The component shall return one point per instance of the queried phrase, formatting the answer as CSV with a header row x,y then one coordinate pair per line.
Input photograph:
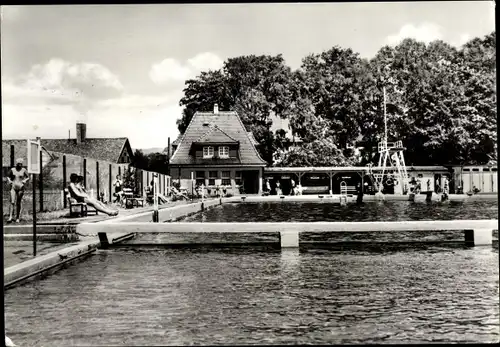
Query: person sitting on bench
x,y
80,196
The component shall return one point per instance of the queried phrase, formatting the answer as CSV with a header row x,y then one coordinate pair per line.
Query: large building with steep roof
x,y
217,150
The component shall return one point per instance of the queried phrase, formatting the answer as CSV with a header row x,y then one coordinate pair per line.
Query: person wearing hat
x,y
17,178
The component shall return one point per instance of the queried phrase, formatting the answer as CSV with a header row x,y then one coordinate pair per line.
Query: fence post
x,y
12,159
142,182
97,178
119,170
85,172
40,182
110,183
64,180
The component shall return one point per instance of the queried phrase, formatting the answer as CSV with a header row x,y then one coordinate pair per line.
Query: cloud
x,y
146,120
59,82
168,69
171,70
463,39
425,32
47,100
206,61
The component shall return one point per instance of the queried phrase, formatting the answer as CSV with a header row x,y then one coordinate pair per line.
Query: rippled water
x,y
213,296
331,212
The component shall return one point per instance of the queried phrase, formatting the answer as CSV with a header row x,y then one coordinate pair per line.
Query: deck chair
x,y
78,208
178,194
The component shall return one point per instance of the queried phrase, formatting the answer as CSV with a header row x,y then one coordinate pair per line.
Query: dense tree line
x,y
441,102
155,162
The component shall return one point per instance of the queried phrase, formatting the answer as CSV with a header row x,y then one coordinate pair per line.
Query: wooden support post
x,y
64,180
12,154
110,183
97,179
85,172
331,182
40,183
34,213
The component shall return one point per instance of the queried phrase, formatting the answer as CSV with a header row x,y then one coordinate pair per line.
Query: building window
x,y
208,152
212,176
223,152
226,178
238,178
200,178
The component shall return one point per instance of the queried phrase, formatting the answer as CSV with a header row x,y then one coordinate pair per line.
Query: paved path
x,y
16,252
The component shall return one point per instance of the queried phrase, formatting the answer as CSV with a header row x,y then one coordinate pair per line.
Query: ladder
x,y
343,192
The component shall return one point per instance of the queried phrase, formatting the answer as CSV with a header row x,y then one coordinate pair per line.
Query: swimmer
x,y
17,178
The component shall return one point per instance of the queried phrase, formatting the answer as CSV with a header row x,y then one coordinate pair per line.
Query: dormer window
x,y
223,152
208,152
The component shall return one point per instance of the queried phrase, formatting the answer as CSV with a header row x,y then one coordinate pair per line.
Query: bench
x,y
78,208
129,200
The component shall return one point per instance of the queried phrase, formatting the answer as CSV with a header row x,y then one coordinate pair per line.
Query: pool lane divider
x,y
476,232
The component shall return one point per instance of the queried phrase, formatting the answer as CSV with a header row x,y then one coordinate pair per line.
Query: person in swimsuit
x,y
17,178
118,188
76,191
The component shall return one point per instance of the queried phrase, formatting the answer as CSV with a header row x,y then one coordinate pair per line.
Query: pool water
x,y
212,296
331,212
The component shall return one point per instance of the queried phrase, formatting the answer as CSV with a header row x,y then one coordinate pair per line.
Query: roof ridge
x,y
183,136
248,137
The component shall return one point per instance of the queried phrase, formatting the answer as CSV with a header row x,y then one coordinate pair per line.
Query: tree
x,y
156,162
254,86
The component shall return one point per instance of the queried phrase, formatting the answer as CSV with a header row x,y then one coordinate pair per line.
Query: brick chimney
x,y
216,108
81,132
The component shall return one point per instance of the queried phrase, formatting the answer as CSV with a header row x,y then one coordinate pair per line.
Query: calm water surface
x,y
330,212
213,296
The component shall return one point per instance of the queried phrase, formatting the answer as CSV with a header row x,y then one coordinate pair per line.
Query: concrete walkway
x,y
18,244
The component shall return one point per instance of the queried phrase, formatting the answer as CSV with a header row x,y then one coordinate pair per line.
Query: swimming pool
x,y
330,212
212,296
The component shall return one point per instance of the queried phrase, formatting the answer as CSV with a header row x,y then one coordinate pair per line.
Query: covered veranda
x,y
328,178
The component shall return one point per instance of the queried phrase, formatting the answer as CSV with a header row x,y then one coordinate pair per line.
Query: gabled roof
x,y
106,149
252,138
230,124
20,151
215,135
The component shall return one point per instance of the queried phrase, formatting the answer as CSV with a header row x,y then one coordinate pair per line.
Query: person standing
x,y
445,185
278,188
17,179
118,184
437,188
292,189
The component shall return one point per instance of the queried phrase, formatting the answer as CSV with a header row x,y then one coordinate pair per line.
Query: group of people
x,y
416,185
295,189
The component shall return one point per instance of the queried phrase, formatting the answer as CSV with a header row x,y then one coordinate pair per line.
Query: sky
x,y
121,68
